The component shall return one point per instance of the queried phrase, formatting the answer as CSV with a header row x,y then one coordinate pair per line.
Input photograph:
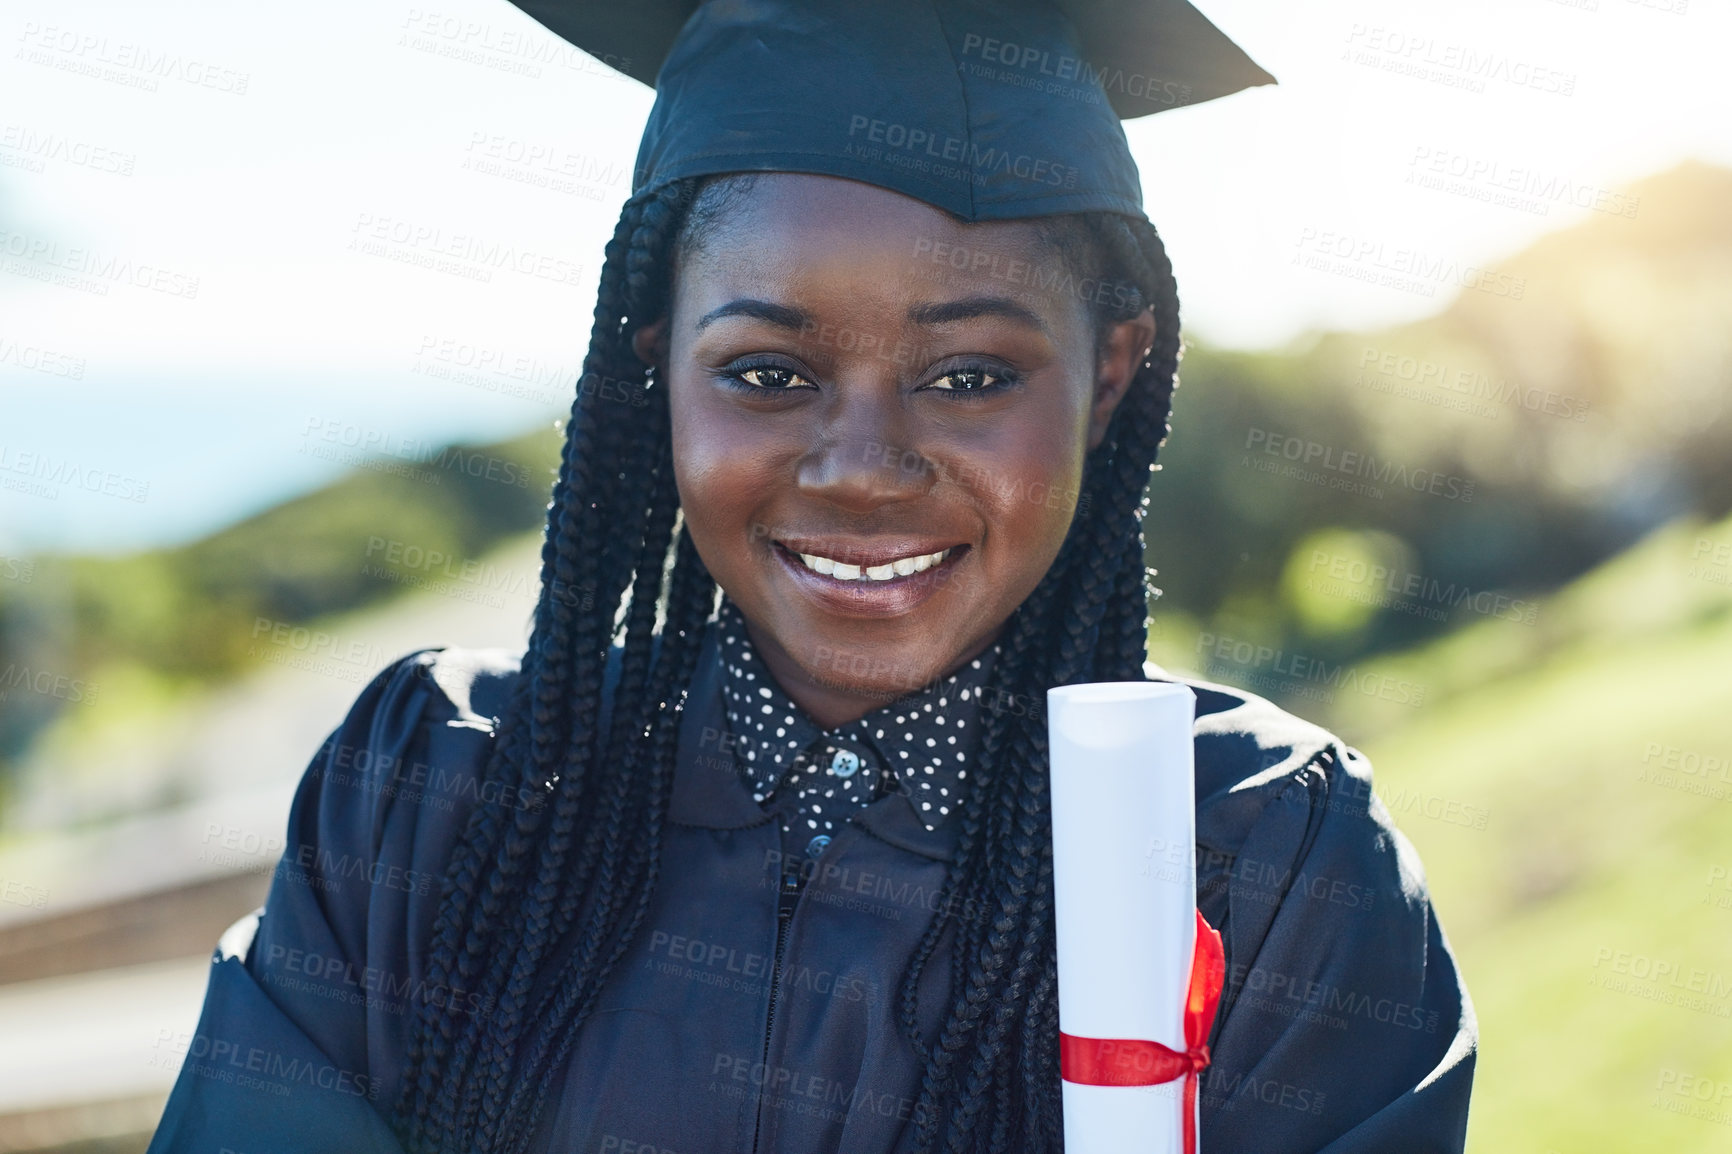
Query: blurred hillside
x,y
106,643
1570,791
1367,490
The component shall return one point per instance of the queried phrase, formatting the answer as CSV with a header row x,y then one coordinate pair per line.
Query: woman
x,y
883,349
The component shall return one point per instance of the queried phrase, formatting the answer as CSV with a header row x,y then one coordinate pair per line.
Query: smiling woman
x,y
768,860
857,433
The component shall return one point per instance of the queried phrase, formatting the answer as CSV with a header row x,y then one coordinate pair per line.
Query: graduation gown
x,y
1344,1026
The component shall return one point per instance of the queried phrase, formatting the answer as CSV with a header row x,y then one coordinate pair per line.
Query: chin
x,y
883,673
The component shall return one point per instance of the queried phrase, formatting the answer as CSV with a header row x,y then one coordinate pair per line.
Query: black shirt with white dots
x,y
919,744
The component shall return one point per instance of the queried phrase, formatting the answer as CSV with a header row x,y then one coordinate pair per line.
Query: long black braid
x,y
567,883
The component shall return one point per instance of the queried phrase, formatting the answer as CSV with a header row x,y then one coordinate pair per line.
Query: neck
x,y
831,702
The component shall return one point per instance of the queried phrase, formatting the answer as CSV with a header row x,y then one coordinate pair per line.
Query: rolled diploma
x,y
1125,894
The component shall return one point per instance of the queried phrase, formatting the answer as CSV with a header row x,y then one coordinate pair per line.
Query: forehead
x,y
812,235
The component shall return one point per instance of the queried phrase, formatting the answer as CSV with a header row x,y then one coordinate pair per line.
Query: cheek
x,y
1030,482
723,466
703,464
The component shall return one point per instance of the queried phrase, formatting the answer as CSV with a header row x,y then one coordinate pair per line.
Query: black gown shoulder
x,y
310,999
1344,1026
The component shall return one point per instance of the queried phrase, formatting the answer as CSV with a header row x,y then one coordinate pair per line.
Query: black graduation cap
x,y
989,109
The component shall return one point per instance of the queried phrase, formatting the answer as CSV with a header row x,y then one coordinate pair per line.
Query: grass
x,y
1596,863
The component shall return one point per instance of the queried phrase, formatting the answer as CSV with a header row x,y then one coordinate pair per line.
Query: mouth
x,y
890,570
869,580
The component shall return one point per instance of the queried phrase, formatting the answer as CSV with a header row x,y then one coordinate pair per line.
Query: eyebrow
x,y
782,316
925,315
968,308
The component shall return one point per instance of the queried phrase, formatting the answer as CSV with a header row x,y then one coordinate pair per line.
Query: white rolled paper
x,y
1125,895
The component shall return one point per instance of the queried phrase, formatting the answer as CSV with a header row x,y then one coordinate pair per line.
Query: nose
x,y
865,458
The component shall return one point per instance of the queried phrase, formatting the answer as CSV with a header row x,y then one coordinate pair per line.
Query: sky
x,y
218,284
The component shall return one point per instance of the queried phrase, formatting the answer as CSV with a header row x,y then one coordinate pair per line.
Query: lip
x,y
889,598
867,553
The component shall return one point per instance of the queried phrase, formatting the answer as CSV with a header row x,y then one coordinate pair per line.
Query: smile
x,y
887,571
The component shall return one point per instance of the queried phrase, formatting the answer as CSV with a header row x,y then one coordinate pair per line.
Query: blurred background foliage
x,y
1564,427
1559,612
166,621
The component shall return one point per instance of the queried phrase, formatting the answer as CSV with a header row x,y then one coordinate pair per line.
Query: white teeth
x,y
901,567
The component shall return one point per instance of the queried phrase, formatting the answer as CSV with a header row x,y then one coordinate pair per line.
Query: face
x,y
878,445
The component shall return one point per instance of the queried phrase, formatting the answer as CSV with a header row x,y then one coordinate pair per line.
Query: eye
x,y
972,380
771,378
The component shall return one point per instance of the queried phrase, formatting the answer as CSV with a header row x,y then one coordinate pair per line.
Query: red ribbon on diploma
x,y
1132,1062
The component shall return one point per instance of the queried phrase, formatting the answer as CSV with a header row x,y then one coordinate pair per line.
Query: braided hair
x,y
620,573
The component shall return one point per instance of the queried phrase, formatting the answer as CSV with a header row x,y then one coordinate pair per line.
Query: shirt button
x,y
815,847
844,763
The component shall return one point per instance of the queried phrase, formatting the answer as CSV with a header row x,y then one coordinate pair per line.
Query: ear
x,y
1123,352
650,343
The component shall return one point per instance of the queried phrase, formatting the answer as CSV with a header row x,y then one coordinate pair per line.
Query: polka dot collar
x,y
919,744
